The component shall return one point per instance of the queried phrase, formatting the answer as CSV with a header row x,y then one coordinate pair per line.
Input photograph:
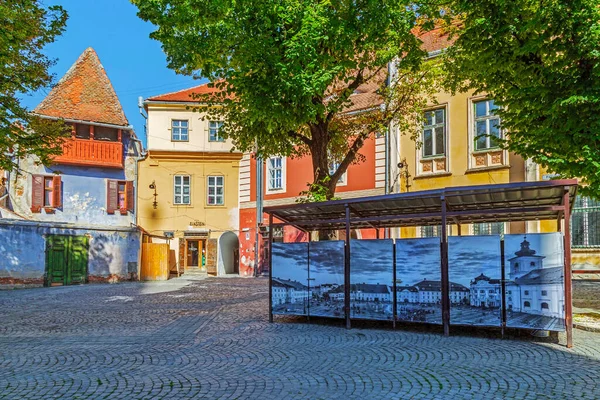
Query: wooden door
x,y
66,260
211,256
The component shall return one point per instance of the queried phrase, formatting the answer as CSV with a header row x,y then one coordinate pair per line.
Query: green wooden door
x,y
66,260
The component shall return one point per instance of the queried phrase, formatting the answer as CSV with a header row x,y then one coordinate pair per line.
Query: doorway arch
x,y
229,250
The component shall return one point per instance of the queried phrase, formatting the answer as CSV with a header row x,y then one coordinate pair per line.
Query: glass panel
x,y
178,180
47,197
429,118
177,189
184,124
211,180
481,138
439,116
427,143
211,190
220,190
219,199
492,106
177,199
439,140
211,199
219,180
186,199
480,109
48,183
186,180
121,187
186,190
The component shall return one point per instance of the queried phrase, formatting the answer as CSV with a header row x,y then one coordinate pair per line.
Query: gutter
x,y
79,121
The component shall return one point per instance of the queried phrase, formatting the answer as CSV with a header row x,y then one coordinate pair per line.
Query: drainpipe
x,y
259,211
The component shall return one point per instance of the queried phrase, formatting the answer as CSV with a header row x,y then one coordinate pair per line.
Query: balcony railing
x,y
91,153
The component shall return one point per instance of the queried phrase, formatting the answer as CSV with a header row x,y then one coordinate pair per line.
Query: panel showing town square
x,y
418,280
372,279
535,281
475,272
327,279
290,278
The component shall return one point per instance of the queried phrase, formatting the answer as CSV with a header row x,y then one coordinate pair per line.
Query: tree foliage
x,y
27,27
540,61
288,70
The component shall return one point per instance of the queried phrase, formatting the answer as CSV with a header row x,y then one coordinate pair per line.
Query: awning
x,y
520,201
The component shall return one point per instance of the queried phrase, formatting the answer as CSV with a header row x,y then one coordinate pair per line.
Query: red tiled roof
x,y
435,39
186,94
84,93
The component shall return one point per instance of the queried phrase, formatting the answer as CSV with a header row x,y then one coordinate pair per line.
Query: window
x,y
526,293
434,133
544,293
275,173
106,134
179,130
45,193
333,166
487,125
181,189
526,304
491,228
545,306
215,191
585,223
532,264
430,231
82,131
119,196
213,131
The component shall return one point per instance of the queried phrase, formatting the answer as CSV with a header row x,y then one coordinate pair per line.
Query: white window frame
x,y
270,188
486,118
182,186
333,166
179,127
215,126
216,186
432,127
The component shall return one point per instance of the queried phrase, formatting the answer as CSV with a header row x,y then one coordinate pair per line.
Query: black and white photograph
x,y
534,270
290,278
327,279
475,273
418,280
372,279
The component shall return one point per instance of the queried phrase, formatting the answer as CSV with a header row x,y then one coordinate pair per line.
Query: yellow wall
x,y
161,167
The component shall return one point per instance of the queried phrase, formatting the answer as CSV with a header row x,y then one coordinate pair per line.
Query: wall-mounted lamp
x,y
152,186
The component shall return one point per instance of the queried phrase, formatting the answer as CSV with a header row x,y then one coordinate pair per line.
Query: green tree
x,y
27,27
287,70
540,61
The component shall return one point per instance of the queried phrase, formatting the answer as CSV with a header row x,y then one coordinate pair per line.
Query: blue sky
x,y
135,64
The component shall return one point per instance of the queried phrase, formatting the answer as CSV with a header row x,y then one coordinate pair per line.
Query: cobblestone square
x,y
211,339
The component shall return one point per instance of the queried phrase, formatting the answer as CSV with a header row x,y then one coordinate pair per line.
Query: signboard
x,y
326,260
290,278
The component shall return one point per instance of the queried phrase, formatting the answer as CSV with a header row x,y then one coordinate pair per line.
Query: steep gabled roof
x,y
84,93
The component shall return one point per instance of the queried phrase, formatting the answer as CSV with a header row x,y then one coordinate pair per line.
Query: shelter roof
x,y
84,93
520,201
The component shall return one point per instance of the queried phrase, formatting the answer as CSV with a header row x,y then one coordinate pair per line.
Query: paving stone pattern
x,y
211,339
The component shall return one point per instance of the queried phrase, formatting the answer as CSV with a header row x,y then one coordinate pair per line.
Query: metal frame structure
x,y
523,201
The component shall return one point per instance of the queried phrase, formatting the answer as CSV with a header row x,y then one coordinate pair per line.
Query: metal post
x,y
308,280
395,301
567,273
347,269
377,233
270,267
503,285
445,278
459,230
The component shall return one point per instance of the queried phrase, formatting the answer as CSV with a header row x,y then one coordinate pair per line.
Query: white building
x,y
486,292
370,292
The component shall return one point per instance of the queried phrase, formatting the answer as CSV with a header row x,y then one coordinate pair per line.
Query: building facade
x,y
74,221
188,184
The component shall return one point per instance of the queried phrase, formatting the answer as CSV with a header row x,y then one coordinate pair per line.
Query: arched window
x,y
526,304
516,265
545,306
532,264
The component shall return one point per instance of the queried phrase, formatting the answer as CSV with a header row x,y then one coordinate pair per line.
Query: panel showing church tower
x,y
534,268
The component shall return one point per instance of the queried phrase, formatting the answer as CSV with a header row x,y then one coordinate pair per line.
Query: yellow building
x,y
456,148
188,186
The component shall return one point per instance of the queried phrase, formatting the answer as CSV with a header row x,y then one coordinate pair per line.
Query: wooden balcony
x,y
93,153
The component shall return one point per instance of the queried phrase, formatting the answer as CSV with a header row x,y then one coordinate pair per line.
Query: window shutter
x,y
129,198
56,192
37,193
112,194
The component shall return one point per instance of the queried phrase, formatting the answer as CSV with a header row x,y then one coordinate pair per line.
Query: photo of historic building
x,y
326,278
535,281
290,278
372,279
474,262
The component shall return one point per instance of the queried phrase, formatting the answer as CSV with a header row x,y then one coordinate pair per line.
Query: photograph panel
x,y
372,279
290,290
534,271
418,280
326,261
475,273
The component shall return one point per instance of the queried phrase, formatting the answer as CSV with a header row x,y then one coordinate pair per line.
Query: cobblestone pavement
x,y
211,339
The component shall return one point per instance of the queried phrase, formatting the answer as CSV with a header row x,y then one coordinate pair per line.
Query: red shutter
x,y
37,193
129,198
56,192
112,196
